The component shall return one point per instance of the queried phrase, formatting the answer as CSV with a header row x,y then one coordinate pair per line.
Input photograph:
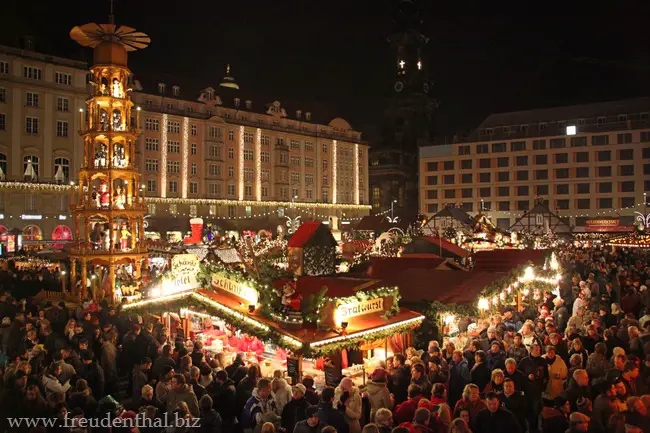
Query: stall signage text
x,y
345,311
238,289
603,222
185,267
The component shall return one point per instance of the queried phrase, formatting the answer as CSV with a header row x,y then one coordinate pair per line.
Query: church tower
x,y
407,120
108,207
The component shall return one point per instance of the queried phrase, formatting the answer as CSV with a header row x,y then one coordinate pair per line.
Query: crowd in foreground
x,y
578,362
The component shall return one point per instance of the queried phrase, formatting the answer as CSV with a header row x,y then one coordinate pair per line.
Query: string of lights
x,y
561,211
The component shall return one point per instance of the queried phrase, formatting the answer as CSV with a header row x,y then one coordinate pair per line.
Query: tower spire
x,y
111,17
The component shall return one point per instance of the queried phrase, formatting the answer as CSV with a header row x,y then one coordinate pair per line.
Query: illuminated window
x,y
64,163
34,160
61,128
193,149
152,185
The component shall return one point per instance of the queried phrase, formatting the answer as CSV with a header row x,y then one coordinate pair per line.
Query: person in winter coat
x,y
93,373
51,382
210,419
163,360
514,401
400,378
294,411
511,372
259,407
496,382
404,412
348,398
471,402
578,388
421,421
458,376
578,349
495,419
517,350
378,393
311,424
597,363
419,378
82,398
557,371
330,415
535,368
140,376
560,314
108,361
496,357
310,395
246,386
480,373
181,392
555,415
281,392
224,394
604,407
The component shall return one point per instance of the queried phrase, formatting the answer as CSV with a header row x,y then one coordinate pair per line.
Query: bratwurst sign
x,y
354,309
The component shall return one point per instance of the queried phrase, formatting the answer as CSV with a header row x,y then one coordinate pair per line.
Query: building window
x,y
582,188
521,160
624,138
194,188
215,190
4,68
604,171
450,193
152,185
627,202
504,206
600,140
448,179
558,143
31,99
432,180
193,169
231,171
432,194
604,155
482,148
194,130
31,125
64,164
582,172
627,186
432,207
151,144
645,135
561,173
522,190
503,191
61,128
173,186
248,155
582,156
464,150
295,160
503,162
626,154
174,127
32,73
151,209
231,153
62,104
584,203
517,146
562,189
604,203
539,144
214,151
561,158
152,125
485,192
432,166
484,163
466,178
448,165
605,187
626,170
232,210
522,175
541,189
645,152
498,147
522,205
63,78
151,165
231,134
3,122
484,177
466,164
215,170
578,141
562,204
309,162
541,174
34,160
231,189
503,176
173,167
466,192
541,159
173,146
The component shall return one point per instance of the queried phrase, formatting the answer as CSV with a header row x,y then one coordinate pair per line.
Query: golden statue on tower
x,y
108,203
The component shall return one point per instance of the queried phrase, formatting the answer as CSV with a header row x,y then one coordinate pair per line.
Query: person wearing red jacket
x,y
406,411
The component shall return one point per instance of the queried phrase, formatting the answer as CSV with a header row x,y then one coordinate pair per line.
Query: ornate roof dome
x,y
228,80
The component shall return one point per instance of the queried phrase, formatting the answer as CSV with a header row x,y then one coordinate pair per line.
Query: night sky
x,y
331,57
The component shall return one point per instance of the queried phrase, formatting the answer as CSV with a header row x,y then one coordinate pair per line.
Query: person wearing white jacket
x,y
51,381
351,402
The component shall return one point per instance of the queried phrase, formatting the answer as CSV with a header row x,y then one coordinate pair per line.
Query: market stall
x,y
345,332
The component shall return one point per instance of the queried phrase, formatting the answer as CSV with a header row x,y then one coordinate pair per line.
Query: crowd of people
x,y
577,362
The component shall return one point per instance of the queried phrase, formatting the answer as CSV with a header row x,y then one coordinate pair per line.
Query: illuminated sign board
x,y
354,309
185,268
236,288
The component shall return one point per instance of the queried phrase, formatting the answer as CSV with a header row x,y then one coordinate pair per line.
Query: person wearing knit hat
x,y
579,422
378,393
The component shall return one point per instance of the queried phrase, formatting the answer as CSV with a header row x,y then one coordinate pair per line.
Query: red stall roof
x,y
337,287
506,260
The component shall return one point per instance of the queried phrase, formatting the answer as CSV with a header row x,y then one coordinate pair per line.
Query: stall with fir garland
x,y
321,326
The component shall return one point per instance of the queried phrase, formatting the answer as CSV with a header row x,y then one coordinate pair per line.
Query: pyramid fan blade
x,y
124,29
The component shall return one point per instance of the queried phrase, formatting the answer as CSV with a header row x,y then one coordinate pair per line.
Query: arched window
x,y
64,163
3,165
32,233
34,160
61,233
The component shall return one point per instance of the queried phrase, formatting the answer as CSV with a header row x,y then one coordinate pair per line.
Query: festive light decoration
x,y
258,164
334,173
226,202
356,173
163,157
240,161
355,335
186,154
